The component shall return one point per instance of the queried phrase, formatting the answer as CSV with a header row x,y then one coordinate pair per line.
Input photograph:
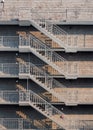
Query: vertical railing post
x,y
21,96
45,51
28,96
51,56
20,124
2,121
19,40
29,69
46,107
51,83
45,79
2,68
19,68
1,95
2,41
30,41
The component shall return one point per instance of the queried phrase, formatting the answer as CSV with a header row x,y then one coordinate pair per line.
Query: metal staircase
x,y
32,99
47,27
45,108
42,106
41,78
51,30
37,123
46,54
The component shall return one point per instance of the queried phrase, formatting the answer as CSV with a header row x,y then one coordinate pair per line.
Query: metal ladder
x,y
46,54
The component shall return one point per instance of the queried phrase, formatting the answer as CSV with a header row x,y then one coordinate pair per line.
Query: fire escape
x,y
30,43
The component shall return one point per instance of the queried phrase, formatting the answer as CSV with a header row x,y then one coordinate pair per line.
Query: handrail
x,y
9,68
15,123
45,102
56,59
39,46
9,41
6,122
9,96
45,46
53,81
35,99
78,41
49,27
40,76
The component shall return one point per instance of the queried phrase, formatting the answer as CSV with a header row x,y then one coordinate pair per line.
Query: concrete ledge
x,y
24,23
9,22
16,22
28,23
75,23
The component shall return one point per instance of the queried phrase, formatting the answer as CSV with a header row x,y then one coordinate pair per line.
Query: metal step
x,y
42,51
35,73
30,98
47,28
44,108
44,80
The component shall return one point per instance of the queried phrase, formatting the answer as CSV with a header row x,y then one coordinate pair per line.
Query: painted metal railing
x,y
46,54
37,44
45,108
41,105
9,97
51,30
15,124
19,123
62,38
9,41
9,69
53,113
50,81
77,41
42,78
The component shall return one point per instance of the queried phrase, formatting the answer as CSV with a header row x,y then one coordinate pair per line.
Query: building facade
x,y
46,65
